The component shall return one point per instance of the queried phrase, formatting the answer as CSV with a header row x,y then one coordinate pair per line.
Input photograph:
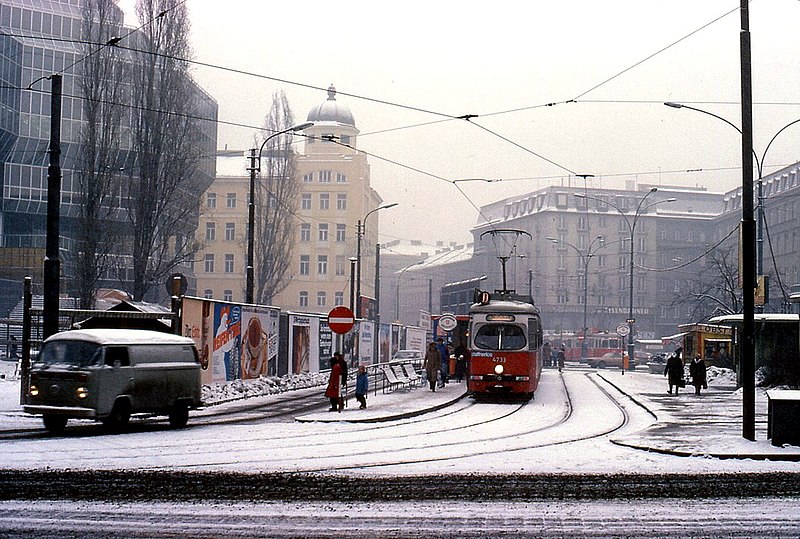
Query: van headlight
x,y
498,369
34,391
82,392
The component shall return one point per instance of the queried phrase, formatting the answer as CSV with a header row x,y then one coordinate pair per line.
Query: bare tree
x,y
714,289
97,168
275,204
165,187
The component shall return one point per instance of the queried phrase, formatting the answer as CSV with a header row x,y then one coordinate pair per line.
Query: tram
x,y
504,341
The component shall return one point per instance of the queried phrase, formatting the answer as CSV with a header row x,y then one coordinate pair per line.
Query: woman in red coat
x,y
334,390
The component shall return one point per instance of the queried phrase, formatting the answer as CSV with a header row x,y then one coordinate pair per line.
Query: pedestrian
x,y
547,353
673,370
343,363
697,369
362,386
13,347
445,365
334,389
432,364
461,362
561,358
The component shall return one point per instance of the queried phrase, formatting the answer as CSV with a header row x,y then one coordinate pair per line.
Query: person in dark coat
x,y
362,386
697,369
445,365
561,358
547,354
673,370
334,389
432,364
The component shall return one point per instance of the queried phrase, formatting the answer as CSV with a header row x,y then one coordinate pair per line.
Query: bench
x,y
392,379
410,373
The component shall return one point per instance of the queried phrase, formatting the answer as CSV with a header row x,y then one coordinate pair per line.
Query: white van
x,y
109,374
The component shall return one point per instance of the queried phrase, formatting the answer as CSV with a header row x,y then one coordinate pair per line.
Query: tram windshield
x,y
500,337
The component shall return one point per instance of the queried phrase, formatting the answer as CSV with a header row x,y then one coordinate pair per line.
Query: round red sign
x,y
341,319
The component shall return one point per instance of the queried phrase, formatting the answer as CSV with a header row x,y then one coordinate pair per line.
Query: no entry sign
x,y
341,319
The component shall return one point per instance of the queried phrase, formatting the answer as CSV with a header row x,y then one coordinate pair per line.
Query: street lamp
x,y
397,295
760,170
640,208
251,206
585,259
359,233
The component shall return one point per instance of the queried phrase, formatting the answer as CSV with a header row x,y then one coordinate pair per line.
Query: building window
x,y
209,263
561,200
340,232
321,299
308,178
305,232
305,201
583,222
228,263
341,178
211,231
208,293
324,201
341,201
211,200
227,295
303,299
230,231
324,176
323,232
338,298
344,139
230,200
340,265
305,264
322,264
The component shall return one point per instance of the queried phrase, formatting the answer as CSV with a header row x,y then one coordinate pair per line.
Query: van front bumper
x,y
69,411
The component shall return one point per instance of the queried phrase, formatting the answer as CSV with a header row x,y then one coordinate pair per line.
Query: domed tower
x,y
335,196
332,121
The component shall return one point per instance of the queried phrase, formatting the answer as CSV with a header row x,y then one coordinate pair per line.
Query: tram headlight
x,y
33,391
82,392
498,369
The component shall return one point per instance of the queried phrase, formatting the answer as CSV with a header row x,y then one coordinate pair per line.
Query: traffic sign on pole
x,y
341,319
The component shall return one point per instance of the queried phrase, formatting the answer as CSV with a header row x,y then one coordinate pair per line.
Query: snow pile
x,y
720,376
219,393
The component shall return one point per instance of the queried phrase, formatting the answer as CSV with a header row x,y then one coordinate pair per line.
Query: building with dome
x,y
335,194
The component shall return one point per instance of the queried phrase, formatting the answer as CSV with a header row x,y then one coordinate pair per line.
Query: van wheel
x,y
54,423
178,415
120,414
601,365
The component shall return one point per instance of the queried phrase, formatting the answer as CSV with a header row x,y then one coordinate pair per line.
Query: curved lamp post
x,y
586,257
361,228
251,206
641,207
760,170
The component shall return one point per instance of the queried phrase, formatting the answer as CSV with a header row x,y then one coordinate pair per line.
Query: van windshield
x,y
67,352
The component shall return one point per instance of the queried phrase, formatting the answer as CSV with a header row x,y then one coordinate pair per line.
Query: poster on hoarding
x,y
300,343
226,352
259,342
325,346
366,335
384,343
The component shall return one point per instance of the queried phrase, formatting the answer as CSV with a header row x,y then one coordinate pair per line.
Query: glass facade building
x,y
39,38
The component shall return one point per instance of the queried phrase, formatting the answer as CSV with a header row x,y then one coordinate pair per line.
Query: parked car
x,y
656,363
610,359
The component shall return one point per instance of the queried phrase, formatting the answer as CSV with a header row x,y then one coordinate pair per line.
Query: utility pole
x,y
52,262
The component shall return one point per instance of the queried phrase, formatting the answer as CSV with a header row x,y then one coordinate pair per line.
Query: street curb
x,y
790,457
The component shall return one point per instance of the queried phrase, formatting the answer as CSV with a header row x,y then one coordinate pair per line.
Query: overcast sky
x,y
409,67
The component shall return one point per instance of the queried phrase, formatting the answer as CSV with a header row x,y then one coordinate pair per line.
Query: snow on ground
x,y
437,442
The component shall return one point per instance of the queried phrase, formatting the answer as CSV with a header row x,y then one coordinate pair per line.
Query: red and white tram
x,y
504,340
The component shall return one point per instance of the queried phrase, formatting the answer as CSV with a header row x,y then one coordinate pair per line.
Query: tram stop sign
x,y
341,319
